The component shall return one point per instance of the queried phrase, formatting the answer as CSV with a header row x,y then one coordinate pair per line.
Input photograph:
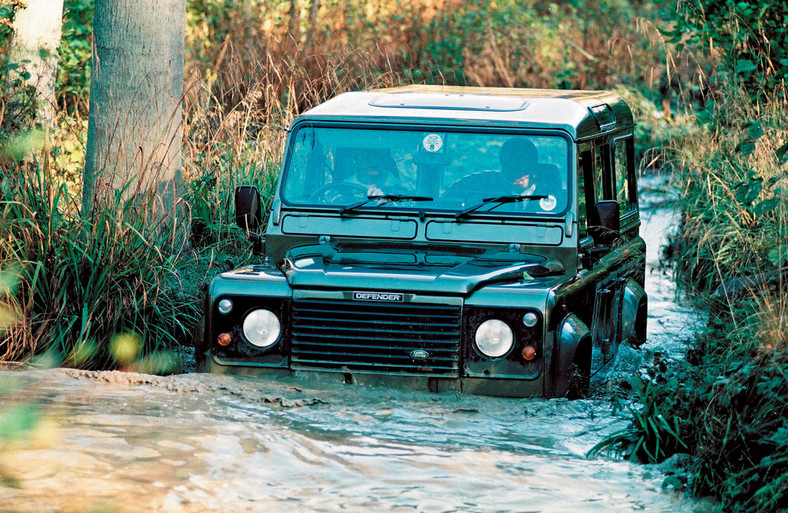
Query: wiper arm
x,y
498,200
387,198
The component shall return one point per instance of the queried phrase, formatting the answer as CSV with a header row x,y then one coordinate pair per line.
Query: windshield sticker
x,y
433,143
548,203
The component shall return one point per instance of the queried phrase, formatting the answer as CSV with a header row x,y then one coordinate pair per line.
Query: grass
x,y
727,405
119,292
84,281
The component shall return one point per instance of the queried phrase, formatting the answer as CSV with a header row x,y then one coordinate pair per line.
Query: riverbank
x,y
726,407
195,442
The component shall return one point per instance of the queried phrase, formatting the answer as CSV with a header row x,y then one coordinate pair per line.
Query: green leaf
x,y
782,153
776,256
746,147
766,206
776,178
746,194
745,66
754,130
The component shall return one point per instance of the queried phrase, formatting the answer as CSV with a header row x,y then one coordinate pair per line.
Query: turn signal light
x,y
225,339
529,353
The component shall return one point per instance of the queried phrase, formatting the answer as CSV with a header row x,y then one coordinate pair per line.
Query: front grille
x,y
379,337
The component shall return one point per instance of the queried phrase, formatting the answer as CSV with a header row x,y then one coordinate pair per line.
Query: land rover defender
x,y
446,238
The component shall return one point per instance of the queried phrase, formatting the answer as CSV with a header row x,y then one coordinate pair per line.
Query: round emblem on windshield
x,y
433,143
419,354
548,203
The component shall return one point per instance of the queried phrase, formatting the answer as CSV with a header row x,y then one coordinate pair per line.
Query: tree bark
x,y
136,87
37,29
310,40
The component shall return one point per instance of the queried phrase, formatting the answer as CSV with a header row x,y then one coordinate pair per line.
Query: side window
x,y
624,168
602,173
585,191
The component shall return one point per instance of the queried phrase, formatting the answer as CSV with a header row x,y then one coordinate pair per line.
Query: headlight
x,y
494,338
262,328
530,319
225,306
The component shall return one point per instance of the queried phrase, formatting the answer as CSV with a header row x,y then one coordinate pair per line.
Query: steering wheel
x,y
339,192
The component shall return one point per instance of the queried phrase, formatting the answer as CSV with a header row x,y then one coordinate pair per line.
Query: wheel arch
x,y
573,341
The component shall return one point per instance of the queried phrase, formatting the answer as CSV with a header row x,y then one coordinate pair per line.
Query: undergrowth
x,y
85,280
726,406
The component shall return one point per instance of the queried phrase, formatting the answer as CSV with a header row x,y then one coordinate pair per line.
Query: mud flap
x,y
632,307
571,333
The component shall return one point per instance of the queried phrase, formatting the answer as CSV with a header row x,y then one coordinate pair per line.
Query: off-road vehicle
x,y
474,239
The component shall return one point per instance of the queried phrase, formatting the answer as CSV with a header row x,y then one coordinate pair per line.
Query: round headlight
x,y
225,306
494,338
530,319
262,328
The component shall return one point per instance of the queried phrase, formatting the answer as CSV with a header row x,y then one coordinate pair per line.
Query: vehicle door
x,y
610,261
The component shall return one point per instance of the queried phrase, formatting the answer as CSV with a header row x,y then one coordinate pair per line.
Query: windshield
x,y
430,170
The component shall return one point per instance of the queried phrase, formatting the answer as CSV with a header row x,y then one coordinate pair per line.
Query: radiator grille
x,y
354,335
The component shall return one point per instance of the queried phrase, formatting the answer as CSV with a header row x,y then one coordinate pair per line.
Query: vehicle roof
x,y
581,113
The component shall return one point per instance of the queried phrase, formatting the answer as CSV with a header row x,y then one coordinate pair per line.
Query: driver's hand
x,y
374,191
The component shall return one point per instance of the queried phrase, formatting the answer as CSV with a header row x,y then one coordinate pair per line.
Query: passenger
x,y
526,176
519,158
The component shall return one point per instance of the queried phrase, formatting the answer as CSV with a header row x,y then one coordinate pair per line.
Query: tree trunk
x,y
136,86
37,29
294,28
310,40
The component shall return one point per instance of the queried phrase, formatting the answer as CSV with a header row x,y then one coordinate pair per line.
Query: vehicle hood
x,y
424,268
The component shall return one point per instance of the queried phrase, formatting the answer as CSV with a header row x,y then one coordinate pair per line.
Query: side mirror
x,y
607,221
248,211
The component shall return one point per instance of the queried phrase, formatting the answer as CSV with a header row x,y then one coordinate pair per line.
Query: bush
x,y
727,405
85,280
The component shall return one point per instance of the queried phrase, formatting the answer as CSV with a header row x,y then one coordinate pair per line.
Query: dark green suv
x,y
474,239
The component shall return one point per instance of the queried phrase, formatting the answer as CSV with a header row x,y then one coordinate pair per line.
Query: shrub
x,y
83,281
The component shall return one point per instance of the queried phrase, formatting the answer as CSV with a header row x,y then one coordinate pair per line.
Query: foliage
x,y
729,410
658,429
735,206
83,281
749,38
74,54
16,97
580,44
726,406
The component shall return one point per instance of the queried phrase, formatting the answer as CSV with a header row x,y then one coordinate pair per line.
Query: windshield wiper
x,y
498,201
387,198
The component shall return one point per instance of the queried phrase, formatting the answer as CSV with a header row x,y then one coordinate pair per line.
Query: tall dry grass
x,y
251,68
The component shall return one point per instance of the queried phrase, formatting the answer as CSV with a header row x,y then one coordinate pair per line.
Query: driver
x,y
376,171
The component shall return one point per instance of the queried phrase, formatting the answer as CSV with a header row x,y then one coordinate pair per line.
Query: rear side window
x,y
602,174
624,173
585,191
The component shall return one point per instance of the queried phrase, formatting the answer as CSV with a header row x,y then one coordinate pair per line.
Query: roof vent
x,y
449,101
604,116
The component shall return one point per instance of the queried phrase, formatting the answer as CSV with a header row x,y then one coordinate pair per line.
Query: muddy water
x,y
128,442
